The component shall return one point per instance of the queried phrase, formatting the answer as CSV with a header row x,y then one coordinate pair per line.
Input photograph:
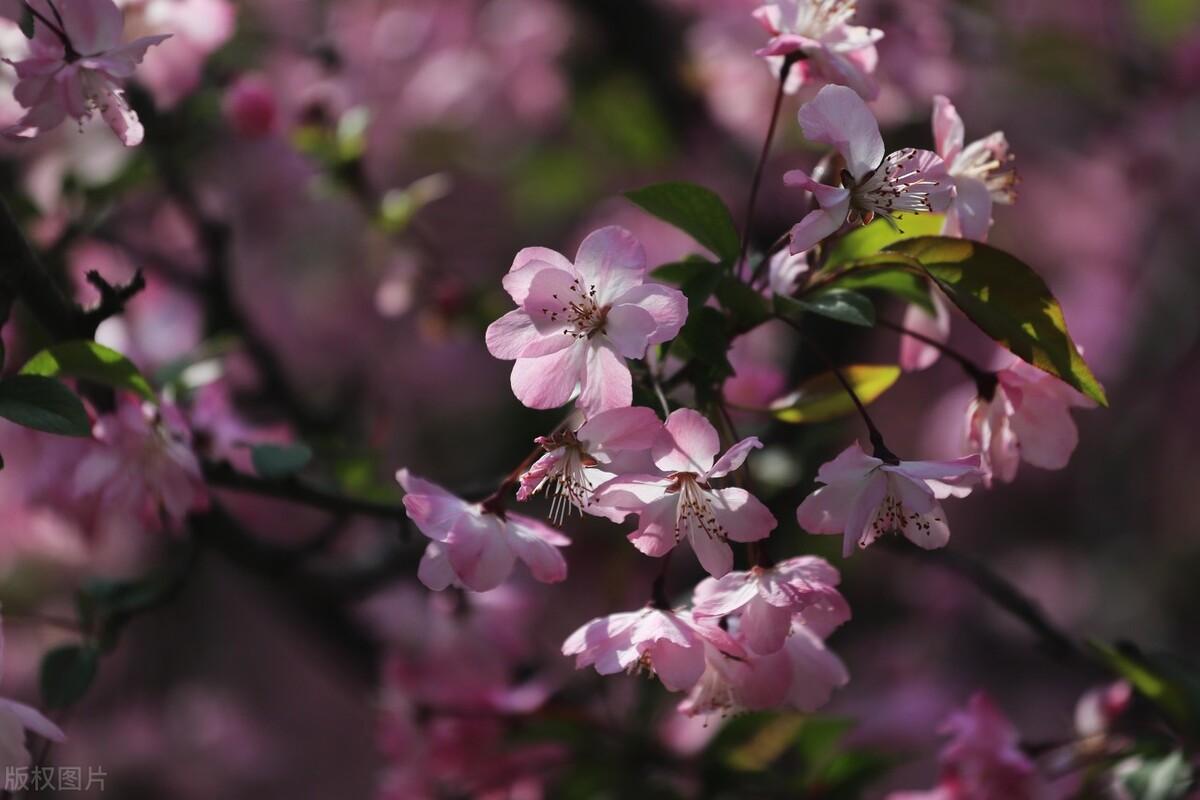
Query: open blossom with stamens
x,y
75,68
680,501
576,323
578,461
669,644
864,497
766,599
834,51
475,547
1028,417
17,718
981,173
874,182
142,465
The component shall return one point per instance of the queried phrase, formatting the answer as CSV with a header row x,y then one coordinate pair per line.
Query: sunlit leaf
x,y
822,397
89,361
697,211
869,240
840,304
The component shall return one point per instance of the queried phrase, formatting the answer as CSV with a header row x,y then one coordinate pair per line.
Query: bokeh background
x,y
378,163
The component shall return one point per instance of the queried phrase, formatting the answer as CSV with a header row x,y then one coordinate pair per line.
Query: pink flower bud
x,y
250,107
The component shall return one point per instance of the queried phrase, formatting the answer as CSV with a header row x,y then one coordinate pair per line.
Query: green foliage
x,y
697,211
280,460
67,673
747,308
898,281
1169,683
89,361
1007,300
870,239
704,342
842,305
822,397
43,404
1167,778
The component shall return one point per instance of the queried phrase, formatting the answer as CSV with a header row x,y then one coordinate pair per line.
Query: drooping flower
x,y
474,547
833,50
142,464
578,461
576,323
873,183
680,501
981,173
766,600
17,718
864,497
1027,418
669,644
76,66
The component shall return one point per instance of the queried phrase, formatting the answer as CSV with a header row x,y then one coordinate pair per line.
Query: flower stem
x,y
789,61
985,381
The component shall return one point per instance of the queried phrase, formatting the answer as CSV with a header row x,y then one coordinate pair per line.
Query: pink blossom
x,y
578,461
833,51
199,28
250,107
474,547
865,497
1098,709
765,600
981,173
669,644
142,463
906,181
915,354
1028,417
784,271
681,502
577,323
75,67
15,719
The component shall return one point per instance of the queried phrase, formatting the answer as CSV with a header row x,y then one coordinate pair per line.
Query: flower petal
x,y
734,457
549,381
612,261
666,304
688,443
838,117
607,383
948,135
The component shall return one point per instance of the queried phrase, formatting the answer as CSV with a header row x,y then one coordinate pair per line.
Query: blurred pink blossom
x,y
831,50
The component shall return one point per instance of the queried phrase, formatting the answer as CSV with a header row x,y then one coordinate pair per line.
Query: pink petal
x,y
816,671
724,596
514,336
550,381
479,552
431,508
677,667
526,266
928,531
607,383
916,355
862,511
33,720
743,517
947,129
713,552
945,478
550,297
970,213
734,457
435,570
121,118
827,508
612,261
1045,430
629,328
838,117
688,443
817,226
667,305
852,464
765,626
632,492
93,26
655,534
633,428
537,546
122,62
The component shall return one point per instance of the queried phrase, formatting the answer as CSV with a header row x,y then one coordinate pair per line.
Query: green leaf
x,y
89,361
747,307
704,340
1167,778
66,674
677,273
1008,301
899,281
279,460
869,240
698,288
43,404
822,397
840,304
695,210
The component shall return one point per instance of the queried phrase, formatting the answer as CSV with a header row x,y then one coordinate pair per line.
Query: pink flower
x,y
669,644
77,62
980,172
577,323
765,600
1028,417
15,719
143,462
1099,708
250,107
681,502
833,51
577,462
916,355
866,497
906,181
785,270
474,547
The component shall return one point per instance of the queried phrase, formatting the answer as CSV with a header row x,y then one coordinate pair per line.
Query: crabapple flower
x,y
765,600
915,354
681,502
832,51
142,463
474,547
75,68
576,323
578,461
785,270
669,644
864,497
981,173
1028,417
17,718
800,676
873,183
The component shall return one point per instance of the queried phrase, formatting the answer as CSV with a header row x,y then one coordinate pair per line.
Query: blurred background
x,y
327,198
